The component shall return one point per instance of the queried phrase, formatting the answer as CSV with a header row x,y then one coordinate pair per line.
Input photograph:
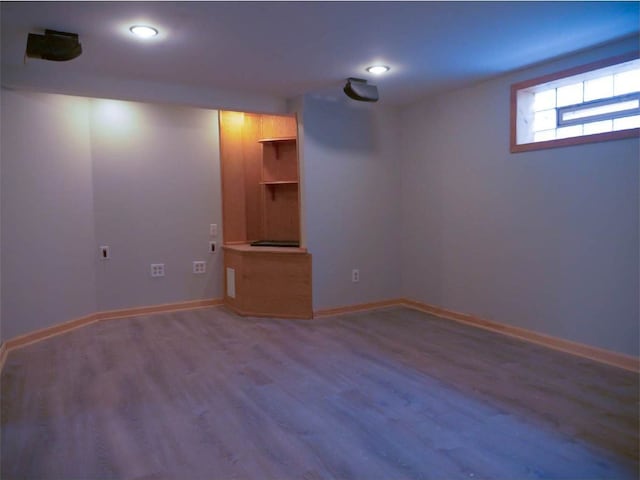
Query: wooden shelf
x,y
278,139
275,183
246,248
280,182
277,143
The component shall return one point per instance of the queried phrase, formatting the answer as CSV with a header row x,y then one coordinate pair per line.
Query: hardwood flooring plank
x,y
389,394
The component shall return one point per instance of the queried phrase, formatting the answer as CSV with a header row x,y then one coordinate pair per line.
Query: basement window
x,y
591,103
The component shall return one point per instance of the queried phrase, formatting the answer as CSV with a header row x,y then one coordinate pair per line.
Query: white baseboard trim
x,y
60,328
601,355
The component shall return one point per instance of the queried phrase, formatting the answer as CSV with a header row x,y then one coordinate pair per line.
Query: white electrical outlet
x,y
104,252
212,247
199,267
355,275
157,269
213,230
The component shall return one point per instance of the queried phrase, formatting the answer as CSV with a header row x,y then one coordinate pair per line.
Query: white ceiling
x,y
289,48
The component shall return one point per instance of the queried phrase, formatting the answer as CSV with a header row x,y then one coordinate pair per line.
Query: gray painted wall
x,y
48,270
78,173
545,240
351,181
156,191
427,202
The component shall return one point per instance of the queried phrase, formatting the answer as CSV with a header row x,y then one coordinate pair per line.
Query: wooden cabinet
x,y
261,202
268,281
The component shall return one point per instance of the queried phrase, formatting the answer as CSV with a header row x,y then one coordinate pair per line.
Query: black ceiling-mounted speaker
x,y
360,90
53,45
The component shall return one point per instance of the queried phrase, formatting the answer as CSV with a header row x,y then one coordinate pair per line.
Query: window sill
x,y
567,142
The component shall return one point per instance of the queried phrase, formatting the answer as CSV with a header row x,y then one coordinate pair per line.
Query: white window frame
x,y
633,109
517,122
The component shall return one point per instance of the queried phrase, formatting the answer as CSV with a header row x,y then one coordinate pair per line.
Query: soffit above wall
x,y
285,49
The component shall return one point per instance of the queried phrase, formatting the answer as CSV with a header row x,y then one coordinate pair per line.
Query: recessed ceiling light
x,y
377,69
143,31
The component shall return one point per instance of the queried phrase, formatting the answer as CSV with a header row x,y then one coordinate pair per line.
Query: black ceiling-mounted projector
x,y
360,90
53,45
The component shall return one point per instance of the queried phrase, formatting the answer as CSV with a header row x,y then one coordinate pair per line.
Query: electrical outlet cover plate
x,y
355,275
199,267
157,269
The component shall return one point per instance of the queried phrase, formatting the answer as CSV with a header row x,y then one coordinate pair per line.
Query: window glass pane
x,y
570,95
626,122
544,120
544,135
600,110
626,82
598,127
588,102
598,88
566,132
544,100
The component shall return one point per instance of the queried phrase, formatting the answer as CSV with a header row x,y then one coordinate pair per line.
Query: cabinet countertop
x,y
246,248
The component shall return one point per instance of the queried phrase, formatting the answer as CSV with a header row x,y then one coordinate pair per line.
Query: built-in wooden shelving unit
x,y
261,201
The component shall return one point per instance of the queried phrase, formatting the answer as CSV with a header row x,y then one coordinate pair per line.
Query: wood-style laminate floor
x,y
390,394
